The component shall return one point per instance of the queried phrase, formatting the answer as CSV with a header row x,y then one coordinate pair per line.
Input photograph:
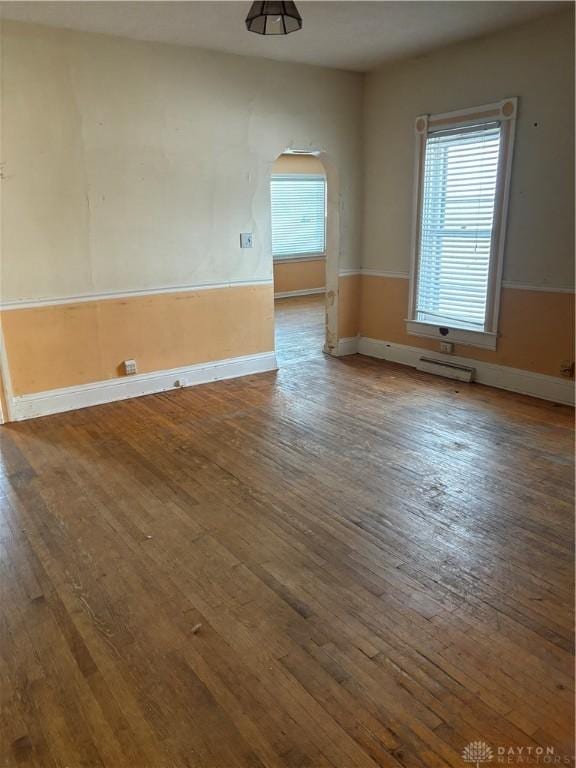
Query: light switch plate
x,y
246,240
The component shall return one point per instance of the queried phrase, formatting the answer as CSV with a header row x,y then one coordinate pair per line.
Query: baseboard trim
x,y
347,346
500,376
303,292
100,392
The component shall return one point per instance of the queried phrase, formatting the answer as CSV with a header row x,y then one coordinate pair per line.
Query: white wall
x,y
535,62
135,165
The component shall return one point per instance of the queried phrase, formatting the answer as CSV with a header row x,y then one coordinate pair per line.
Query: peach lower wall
x,y
3,402
536,328
66,345
349,288
299,275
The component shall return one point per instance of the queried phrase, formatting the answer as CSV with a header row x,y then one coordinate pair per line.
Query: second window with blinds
x,y
462,180
298,215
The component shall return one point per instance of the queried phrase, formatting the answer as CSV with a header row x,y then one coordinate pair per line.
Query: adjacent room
x,y
298,217
286,384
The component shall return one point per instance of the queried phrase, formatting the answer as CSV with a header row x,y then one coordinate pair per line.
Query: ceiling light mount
x,y
273,18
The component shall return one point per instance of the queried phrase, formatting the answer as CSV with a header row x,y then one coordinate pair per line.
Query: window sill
x,y
481,339
301,257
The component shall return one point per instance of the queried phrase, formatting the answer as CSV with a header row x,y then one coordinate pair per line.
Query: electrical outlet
x,y
446,346
130,367
246,240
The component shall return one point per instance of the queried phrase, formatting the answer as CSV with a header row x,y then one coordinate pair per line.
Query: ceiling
x,y
351,35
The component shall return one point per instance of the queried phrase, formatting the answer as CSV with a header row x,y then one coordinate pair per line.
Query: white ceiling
x,y
350,34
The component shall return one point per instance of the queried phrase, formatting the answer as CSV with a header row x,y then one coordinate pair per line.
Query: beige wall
x,y
132,167
136,165
535,62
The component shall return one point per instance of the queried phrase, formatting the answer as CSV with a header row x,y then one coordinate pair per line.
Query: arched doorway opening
x,y
304,216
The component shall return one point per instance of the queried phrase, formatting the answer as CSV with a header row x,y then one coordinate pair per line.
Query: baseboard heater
x,y
448,370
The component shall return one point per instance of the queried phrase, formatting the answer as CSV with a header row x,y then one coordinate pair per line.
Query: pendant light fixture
x,y
273,18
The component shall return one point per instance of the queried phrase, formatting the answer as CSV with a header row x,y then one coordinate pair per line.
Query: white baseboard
x,y
304,292
500,376
347,346
100,392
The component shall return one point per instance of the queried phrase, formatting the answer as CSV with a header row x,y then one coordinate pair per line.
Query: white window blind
x,y
298,214
457,214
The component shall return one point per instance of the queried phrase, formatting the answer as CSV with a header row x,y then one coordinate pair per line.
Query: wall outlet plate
x,y
246,240
130,367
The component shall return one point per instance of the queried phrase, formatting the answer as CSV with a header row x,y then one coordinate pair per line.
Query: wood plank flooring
x,y
380,561
299,329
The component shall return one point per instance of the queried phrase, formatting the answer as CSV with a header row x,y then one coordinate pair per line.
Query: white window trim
x,y
302,257
505,112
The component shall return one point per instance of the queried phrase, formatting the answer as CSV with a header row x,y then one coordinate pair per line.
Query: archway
x,y
329,343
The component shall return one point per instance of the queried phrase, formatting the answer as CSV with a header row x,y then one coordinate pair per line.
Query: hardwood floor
x,y
380,561
299,329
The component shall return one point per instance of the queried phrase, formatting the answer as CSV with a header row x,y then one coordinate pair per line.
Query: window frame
x,y
504,112
314,255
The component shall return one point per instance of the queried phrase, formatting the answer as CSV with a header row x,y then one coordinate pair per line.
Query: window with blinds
x,y
456,223
298,214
